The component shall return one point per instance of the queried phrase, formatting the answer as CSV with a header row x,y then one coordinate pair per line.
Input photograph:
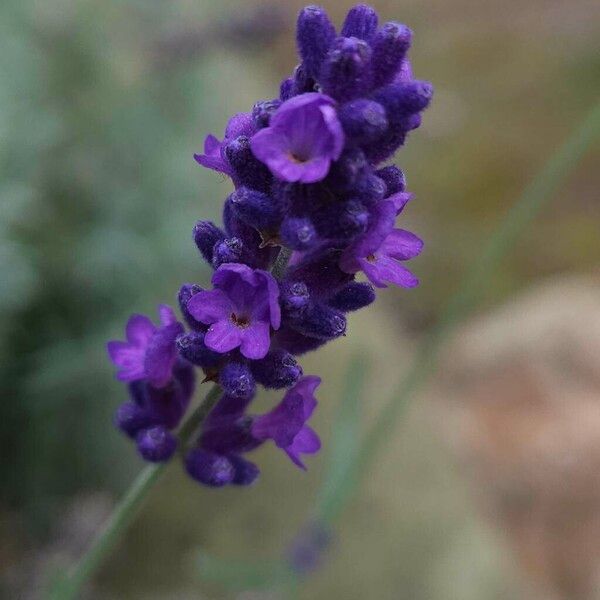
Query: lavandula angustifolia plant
x,y
312,207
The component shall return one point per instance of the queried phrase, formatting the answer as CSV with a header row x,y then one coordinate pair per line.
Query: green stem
x,y
281,262
127,508
537,194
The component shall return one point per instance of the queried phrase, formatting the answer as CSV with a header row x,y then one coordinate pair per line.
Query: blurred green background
x,y
102,104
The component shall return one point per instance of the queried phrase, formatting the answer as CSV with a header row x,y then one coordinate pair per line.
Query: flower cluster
x,y
312,207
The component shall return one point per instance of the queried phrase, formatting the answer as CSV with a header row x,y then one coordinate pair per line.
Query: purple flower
x,y
303,138
286,423
240,310
149,352
378,251
214,155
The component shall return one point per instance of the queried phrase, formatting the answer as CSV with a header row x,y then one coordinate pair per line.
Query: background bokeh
x,y
102,104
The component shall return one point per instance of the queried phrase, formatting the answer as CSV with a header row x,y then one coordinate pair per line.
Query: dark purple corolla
x,y
303,138
286,423
214,156
379,251
149,352
240,310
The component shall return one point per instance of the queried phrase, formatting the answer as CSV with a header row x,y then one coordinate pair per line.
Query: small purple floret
x,y
286,423
379,258
303,138
240,310
150,351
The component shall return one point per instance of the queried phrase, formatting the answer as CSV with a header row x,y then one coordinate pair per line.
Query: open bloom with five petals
x,y
240,310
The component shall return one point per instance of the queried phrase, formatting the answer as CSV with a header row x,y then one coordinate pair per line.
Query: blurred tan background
x,y
490,488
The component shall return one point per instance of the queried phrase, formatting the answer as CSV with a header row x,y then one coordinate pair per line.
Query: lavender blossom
x,y
240,310
312,208
303,138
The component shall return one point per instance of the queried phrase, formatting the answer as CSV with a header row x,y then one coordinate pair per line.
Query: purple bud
x,y
206,235
156,444
345,74
386,146
343,220
321,322
278,369
191,347
303,82
298,233
394,179
237,380
286,89
229,250
245,471
209,468
361,22
372,189
297,343
322,276
402,100
254,256
187,291
262,111
314,36
390,45
363,120
354,296
347,171
131,417
167,404
255,208
294,297
248,169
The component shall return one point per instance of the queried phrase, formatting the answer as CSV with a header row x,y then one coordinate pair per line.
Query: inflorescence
x,y
312,207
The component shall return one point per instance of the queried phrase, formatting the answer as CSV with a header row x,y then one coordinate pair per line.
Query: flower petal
x,y
400,200
223,336
139,330
129,359
161,354
209,306
384,270
402,245
166,314
305,442
255,340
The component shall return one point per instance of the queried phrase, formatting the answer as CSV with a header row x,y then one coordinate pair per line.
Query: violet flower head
x,y
303,138
149,352
286,423
312,206
240,310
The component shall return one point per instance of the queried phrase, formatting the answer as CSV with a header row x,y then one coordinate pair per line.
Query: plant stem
x,y
281,262
127,508
535,196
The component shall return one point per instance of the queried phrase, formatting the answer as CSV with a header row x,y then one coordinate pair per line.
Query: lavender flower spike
x,y
240,310
303,138
313,205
